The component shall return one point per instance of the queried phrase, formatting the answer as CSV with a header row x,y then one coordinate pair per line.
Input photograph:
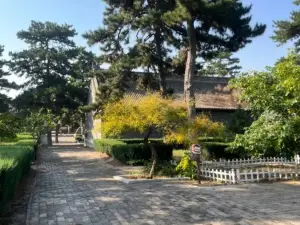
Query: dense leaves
x,y
273,97
143,115
57,72
210,27
202,126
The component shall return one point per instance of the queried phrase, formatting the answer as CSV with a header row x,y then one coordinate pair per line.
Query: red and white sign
x,y
196,149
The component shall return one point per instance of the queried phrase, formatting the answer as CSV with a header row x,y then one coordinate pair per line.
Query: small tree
x,y
144,115
39,122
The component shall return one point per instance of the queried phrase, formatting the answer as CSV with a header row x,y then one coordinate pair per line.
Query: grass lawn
x,y
178,154
15,159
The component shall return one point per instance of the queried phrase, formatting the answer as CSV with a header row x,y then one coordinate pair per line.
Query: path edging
x,y
128,181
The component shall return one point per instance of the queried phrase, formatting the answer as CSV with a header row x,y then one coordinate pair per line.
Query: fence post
x,y
297,159
233,176
237,175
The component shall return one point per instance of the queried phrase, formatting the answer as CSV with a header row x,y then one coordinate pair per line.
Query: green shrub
x,y
15,159
106,145
218,150
162,168
135,154
187,167
140,140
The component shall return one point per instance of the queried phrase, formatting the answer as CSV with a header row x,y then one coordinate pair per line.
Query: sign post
x,y
195,156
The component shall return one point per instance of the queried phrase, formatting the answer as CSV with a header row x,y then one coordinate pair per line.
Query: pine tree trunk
x,y
161,70
49,137
189,74
57,132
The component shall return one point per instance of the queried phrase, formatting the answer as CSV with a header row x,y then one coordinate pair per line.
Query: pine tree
x,y
211,26
5,101
286,30
141,19
46,64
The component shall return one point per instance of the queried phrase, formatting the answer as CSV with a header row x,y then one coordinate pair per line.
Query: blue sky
x,y
87,15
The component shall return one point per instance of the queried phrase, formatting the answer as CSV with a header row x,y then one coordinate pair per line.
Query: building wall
x,y
89,122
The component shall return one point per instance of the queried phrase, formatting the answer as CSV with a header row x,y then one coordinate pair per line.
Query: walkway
x,y
74,186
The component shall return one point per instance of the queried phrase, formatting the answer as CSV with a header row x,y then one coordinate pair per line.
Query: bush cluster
x,y
134,154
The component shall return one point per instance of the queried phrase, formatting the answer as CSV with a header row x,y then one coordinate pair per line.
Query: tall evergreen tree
x,y
286,30
5,101
4,83
46,63
141,19
211,26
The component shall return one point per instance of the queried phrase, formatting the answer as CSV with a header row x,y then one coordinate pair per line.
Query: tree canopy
x,y
56,70
210,27
273,98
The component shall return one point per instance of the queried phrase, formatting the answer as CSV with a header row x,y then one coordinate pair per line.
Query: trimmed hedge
x,y
218,150
15,159
132,153
140,140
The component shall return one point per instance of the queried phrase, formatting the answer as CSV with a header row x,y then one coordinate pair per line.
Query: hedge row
x,y
218,150
15,159
132,153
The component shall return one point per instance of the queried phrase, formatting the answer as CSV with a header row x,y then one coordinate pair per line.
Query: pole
x,y
198,170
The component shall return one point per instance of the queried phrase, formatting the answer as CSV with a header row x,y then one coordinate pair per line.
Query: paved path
x,y
73,187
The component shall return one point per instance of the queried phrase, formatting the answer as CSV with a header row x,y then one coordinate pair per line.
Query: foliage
x,y
9,126
187,167
146,113
201,126
15,159
286,30
4,83
140,140
106,145
56,71
132,153
179,153
221,65
39,122
273,97
163,168
221,150
208,28
5,101
240,119
134,36
271,135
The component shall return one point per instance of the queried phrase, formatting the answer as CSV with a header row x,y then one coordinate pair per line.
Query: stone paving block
x,y
87,195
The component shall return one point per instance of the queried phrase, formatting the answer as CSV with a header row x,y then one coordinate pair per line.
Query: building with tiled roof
x,y
213,96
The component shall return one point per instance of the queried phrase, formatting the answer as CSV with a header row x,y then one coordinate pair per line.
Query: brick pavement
x,y
74,186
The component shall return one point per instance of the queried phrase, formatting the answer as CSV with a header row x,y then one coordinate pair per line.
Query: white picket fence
x,y
251,161
234,176
237,175
227,176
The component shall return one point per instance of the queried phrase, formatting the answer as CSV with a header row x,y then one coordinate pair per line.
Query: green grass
x,y
178,154
15,159
11,152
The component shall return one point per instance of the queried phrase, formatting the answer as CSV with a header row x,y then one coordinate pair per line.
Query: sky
x,y
86,15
